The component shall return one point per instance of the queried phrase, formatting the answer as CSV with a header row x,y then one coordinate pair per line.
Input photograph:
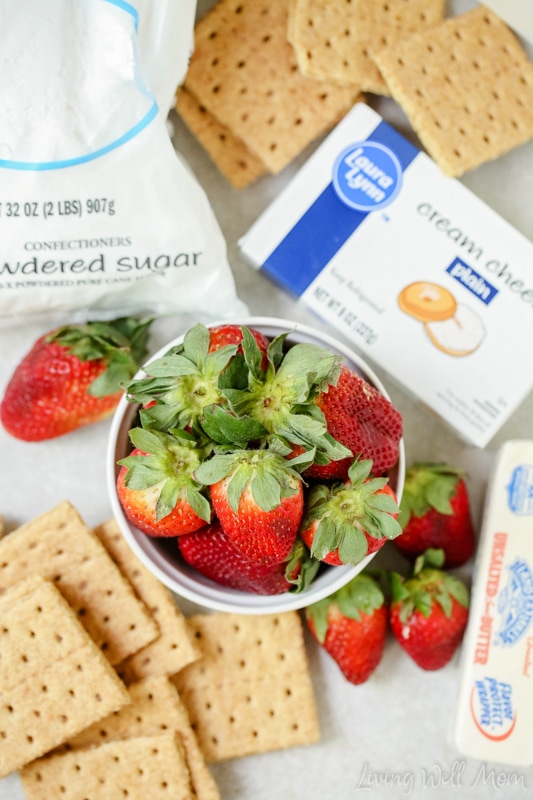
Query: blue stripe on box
x,y
326,225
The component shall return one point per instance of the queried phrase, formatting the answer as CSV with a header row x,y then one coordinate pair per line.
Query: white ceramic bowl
x,y
162,557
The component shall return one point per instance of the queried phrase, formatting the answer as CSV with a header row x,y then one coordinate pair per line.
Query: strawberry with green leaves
x,y
362,419
344,522
213,554
257,496
179,385
281,397
351,625
435,513
222,335
156,487
72,377
429,611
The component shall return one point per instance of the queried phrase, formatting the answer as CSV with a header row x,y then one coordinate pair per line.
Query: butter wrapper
x,y
420,275
494,718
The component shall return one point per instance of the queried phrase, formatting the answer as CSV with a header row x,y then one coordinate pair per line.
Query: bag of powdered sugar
x,y
97,211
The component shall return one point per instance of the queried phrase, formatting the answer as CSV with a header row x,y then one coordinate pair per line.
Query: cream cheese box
x,y
421,276
494,719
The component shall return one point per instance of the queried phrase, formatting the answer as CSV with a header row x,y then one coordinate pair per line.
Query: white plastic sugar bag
x,y
97,211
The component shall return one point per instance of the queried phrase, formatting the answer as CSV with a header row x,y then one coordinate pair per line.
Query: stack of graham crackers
x,y
107,690
267,77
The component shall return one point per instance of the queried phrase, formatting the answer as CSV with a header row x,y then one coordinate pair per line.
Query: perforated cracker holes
x,y
467,88
54,681
245,73
136,769
61,547
251,691
336,40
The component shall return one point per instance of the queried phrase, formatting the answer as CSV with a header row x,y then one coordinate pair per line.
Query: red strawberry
x,y
363,420
429,612
178,386
72,377
214,555
281,398
258,499
435,512
233,334
345,522
155,485
352,626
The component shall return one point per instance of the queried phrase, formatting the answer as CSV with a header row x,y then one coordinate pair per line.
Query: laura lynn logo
x,y
457,777
367,176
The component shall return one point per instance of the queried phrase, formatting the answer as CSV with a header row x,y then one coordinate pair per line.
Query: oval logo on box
x,y
491,706
367,176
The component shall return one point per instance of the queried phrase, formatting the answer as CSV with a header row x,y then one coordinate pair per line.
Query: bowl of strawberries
x,y
256,466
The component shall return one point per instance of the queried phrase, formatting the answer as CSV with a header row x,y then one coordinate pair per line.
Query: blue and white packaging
x,y
494,718
422,277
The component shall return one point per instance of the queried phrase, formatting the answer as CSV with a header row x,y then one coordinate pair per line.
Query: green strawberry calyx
x,y
428,585
183,382
168,461
121,343
268,475
362,595
300,568
345,511
281,397
428,486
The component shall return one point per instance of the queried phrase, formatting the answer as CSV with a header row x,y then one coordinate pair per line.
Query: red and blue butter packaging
x,y
494,717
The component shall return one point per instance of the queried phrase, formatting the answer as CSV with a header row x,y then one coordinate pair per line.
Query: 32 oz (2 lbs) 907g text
x,y
57,208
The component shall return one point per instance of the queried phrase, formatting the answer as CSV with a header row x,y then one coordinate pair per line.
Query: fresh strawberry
x,y
155,485
182,383
363,420
223,335
352,626
258,499
72,377
435,512
281,398
345,522
215,556
429,611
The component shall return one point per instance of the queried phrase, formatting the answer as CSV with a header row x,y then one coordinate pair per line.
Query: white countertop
x,y
389,737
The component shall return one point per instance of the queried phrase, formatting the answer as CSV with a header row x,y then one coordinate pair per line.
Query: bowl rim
x,y
196,588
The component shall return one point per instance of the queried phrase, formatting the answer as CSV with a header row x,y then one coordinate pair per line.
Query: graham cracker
x,y
251,692
59,546
227,151
244,72
144,768
155,707
466,86
335,40
54,680
174,646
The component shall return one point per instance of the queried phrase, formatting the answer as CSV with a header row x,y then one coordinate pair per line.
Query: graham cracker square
x,y
244,72
54,681
227,151
251,692
59,546
466,86
335,40
174,646
155,708
144,768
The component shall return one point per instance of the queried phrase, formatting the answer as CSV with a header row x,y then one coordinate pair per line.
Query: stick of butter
x,y
494,719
